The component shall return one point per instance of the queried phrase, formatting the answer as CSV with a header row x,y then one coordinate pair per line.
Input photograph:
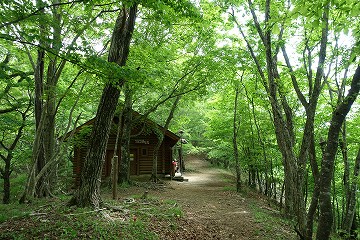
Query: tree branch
x,y
7,110
258,66
68,89
256,22
293,79
38,11
322,53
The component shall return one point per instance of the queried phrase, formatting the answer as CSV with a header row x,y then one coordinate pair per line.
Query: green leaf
x,y
276,29
315,23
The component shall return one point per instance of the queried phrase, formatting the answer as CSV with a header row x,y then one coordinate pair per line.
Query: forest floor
x,y
205,206
214,210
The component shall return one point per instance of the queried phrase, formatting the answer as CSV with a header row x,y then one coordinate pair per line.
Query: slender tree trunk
x,y
294,165
283,127
315,196
160,138
181,158
343,148
88,192
235,146
124,173
115,159
6,172
327,166
351,201
161,134
5,175
273,181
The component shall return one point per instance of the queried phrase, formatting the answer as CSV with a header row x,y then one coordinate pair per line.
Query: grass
x,y
53,219
272,223
16,188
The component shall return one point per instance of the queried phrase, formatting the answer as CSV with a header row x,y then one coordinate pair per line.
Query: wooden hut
x,y
141,148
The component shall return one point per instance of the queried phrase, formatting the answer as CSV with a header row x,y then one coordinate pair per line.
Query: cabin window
x,y
144,152
116,120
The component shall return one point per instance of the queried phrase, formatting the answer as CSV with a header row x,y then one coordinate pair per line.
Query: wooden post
x,y
115,176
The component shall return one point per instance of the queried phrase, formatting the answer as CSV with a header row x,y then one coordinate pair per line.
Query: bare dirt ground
x,y
213,211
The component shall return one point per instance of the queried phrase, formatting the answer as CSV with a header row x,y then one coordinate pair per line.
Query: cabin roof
x,y
90,122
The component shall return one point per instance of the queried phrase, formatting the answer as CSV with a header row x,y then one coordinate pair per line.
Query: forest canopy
x,y
267,89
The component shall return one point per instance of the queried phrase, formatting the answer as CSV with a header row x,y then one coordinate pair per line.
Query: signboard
x,y
142,141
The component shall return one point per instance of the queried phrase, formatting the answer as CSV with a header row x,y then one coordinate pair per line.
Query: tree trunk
x,y
160,135
160,138
124,173
181,158
351,201
235,146
47,146
315,197
38,99
6,172
327,166
88,192
46,109
5,175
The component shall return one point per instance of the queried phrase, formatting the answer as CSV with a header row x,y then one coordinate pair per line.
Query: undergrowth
x,y
53,219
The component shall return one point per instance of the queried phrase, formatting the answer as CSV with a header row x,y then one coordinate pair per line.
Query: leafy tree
x,y
16,107
88,193
327,166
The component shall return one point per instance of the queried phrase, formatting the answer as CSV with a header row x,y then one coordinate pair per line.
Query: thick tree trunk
x,y
47,146
88,193
45,102
38,101
327,166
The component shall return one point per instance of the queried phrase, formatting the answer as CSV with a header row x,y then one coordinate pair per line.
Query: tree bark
x,y
327,166
5,175
160,135
315,197
6,172
351,201
88,192
38,99
45,110
235,146
124,171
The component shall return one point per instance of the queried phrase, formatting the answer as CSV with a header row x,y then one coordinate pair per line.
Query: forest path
x,y
213,211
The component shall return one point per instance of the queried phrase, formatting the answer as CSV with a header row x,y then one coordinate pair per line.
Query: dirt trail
x,y
213,212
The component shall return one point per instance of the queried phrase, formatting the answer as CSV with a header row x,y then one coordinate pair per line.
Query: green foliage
x,y
82,136
47,219
185,48
17,183
270,218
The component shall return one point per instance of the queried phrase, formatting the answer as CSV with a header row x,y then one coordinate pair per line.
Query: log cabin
x,y
142,143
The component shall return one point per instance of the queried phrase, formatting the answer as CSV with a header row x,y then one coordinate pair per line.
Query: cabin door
x,y
133,162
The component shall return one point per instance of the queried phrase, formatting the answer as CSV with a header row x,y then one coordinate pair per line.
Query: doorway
x,y
134,162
